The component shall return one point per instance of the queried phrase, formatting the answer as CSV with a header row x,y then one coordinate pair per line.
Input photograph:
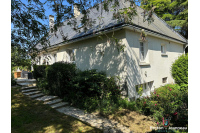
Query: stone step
x,y
53,101
37,95
29,90
26,80
46,98
26,84
32,93
59,105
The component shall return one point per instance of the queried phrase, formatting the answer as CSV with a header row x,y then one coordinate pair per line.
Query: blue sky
x,y
48,11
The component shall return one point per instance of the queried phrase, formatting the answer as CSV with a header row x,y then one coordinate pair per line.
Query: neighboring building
x,y
144,63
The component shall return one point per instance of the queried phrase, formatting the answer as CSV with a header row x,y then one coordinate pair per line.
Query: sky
x,y
49,11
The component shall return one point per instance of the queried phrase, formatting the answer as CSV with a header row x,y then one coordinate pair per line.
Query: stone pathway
x,y
106,125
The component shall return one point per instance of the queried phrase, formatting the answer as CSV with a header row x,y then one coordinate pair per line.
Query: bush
x,y
179,70
59,77
93,90
169,101
39,71
13,82
89,89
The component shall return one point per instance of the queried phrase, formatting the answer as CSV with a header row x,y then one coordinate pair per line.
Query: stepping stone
x,y
29,90
53,101
58,105
26,88
46,98
32,93
37,95
26,84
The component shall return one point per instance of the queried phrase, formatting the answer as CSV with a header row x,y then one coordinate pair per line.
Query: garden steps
x,y
53,101
59,105
26,82
46,98
32,93
36,95
29,90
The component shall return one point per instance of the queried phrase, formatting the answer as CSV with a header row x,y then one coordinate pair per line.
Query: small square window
x,y
164,80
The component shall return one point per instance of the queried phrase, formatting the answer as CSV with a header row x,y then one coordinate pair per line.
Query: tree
x,y
174,12
19,58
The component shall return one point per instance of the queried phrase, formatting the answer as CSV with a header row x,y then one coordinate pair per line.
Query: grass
x,y
31,116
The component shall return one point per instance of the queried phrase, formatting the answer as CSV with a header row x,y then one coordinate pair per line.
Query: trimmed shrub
x,y
93,90
39,71
59,78
89,89
179,69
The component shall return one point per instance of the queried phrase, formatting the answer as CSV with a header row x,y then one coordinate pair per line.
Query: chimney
x,y
51,22
76,10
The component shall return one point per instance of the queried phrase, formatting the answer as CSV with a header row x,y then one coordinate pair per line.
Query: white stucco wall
x,y
124,64
159,65
88,55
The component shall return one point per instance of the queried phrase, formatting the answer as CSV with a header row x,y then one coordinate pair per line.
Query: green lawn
x,y
30,116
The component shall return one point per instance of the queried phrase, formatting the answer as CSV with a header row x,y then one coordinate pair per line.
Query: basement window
x,y
164,80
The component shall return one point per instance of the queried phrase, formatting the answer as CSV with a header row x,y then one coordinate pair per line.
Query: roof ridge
x,y
169,26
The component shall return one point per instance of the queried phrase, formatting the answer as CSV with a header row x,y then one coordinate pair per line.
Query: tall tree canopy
x,y
174,12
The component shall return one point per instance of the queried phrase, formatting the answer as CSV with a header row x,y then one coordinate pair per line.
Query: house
x,y
145,63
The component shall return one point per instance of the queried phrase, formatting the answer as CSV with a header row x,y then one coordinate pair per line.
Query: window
x,y
146,88
39,60
55,58
164,80
150,84
141,51
163,49
71,55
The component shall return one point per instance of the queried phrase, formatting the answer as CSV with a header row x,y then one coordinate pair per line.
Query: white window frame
x,y
55,58
39,58
71,55
163,49
143,53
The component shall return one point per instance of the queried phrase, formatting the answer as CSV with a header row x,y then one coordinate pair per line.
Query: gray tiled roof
x,y
158,25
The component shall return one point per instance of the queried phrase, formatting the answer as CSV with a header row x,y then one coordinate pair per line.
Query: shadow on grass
x,y
28,116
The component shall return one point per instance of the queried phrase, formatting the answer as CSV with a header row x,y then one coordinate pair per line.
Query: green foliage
x,y
168,101
19,59
89,89
139,89
13,82
59,76
175,13
39,71
179,70
42,84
